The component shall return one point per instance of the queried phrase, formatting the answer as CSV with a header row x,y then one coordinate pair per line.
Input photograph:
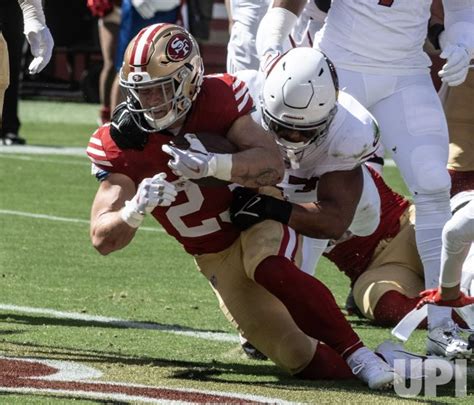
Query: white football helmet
x,y
162,74
300,94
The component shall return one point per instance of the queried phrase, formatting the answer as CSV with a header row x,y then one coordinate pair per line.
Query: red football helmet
x,y
162,73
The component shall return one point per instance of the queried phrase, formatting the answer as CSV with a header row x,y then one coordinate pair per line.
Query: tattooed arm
x,y
259,162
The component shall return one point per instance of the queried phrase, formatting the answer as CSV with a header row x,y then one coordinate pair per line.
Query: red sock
x,y
392,307
309,302
326,365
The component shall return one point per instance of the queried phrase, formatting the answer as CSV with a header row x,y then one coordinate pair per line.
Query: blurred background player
x,y
11,45
386,75
108,13
135,15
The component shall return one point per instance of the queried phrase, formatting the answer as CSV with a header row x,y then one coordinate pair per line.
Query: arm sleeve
x,y
274,28
458,235
33,15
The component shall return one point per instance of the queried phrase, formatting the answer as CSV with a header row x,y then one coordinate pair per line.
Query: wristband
x,y
220,166
278,210
130,216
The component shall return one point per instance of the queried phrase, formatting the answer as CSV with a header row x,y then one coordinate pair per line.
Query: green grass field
x,y
58,294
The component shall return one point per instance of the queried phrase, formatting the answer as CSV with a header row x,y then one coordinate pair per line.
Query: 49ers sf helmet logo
x,y
179,47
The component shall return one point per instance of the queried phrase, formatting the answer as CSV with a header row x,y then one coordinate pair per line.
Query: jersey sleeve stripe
x,y
244,102
95,141
100,162
96,152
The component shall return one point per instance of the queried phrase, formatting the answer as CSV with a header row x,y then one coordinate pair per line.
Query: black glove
x,y
249,208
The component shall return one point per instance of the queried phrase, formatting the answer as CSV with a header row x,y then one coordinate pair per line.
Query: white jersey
x,y
352,139
377,36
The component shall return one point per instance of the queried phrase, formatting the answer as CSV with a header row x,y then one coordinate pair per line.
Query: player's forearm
x,y
257,167
110,233
33,14
319,220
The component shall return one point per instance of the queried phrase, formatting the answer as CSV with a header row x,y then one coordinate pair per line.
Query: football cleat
x,y
410,365
446,341
250,350
371,369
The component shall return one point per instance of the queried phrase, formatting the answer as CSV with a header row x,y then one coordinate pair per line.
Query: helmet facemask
x,y
308,136
160,102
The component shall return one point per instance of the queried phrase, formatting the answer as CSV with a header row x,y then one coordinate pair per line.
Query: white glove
x,y
197,162
456,68
41,45
193,163
146,8
151,193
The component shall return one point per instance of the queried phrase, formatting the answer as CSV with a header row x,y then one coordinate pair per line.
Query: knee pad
x,y
429,167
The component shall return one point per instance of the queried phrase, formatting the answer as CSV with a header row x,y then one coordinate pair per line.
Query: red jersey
x,y
199,217
354,255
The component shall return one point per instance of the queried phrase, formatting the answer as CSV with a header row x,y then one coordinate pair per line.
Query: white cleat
x,y
446,341
371,369
410,365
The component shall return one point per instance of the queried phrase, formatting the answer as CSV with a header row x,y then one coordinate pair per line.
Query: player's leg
x,y
458,109
390,286
4,73
270,252
108,38
414,130
262,319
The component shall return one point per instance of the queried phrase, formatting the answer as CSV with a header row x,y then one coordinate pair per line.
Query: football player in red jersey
x,y
284,312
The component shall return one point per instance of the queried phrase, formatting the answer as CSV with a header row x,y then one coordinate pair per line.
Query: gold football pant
x,y
258,315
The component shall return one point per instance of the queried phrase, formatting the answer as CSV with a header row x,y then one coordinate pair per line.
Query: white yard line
x,y
85,163
216,336
64,219
74,151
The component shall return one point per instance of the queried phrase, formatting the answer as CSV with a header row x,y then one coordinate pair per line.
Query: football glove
x,y
197,162
456,68
433,297
152,192
249,208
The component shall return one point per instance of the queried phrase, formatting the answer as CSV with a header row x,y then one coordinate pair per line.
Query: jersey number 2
x,y
386,3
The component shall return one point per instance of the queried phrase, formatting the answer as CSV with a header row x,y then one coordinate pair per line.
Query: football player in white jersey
x,y
377,47
325,135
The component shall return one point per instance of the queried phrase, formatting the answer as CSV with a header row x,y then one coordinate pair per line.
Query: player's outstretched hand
x,y
433,297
